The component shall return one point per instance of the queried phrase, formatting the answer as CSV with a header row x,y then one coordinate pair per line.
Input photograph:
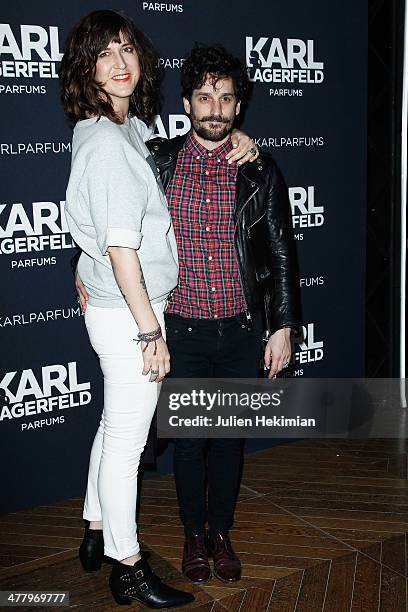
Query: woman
x,y
118,215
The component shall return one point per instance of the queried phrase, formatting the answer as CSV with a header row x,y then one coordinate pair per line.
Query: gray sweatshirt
x,y
115,198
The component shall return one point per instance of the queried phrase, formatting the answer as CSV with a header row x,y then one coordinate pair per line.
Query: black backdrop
x,y
308,63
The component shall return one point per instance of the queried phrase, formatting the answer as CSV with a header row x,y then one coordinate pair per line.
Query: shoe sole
x,y
122,601
198,581
226,581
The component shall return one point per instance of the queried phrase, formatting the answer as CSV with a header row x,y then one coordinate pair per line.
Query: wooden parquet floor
x,y
320,526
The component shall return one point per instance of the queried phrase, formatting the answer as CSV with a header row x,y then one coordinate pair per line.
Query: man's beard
x,y
214,135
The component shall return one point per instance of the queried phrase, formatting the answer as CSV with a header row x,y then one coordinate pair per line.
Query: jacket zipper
x,y
249,227
247,313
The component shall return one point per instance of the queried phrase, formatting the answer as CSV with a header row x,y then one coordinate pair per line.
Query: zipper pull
x,y
249,320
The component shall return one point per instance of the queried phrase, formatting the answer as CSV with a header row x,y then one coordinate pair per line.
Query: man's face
x,y
213,108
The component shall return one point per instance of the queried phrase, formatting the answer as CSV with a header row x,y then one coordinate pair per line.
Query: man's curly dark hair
x,y
214,62
81,96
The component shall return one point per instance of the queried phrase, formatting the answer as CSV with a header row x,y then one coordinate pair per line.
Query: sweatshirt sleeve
x,y
117,192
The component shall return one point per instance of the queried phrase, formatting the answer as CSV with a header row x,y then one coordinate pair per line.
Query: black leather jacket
x,y
264,241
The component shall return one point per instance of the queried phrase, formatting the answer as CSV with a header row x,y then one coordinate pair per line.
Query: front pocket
x,y
175,330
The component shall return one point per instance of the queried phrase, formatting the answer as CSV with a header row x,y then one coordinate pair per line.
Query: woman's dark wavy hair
x,y
217,63
80,94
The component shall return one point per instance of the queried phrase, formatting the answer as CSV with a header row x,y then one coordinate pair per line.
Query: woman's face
x,y
117,71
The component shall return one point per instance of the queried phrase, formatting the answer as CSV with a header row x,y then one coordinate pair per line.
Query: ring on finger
x,y
253,150
154,371
285,365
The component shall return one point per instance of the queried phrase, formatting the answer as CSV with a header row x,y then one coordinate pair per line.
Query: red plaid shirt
x,y
201,197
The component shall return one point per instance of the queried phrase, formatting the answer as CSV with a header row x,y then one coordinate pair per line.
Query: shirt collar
x,y
200,152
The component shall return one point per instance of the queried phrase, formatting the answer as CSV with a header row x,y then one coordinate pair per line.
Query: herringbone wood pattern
x,y
320,526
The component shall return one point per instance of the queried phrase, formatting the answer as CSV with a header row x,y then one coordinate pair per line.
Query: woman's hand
x,y
244,150
158,365
82,294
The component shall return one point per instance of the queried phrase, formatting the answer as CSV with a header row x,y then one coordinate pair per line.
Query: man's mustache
x,y
215,118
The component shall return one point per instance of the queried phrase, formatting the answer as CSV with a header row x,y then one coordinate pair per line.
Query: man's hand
x,y
244,150
82,294
159,363
277,351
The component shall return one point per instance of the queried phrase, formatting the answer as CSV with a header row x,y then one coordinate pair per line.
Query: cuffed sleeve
x,y
118,194
116,236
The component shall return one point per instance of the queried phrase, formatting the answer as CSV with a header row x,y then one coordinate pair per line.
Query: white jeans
x,y
129,404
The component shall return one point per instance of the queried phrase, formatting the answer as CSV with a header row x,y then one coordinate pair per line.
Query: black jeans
x,y
202,348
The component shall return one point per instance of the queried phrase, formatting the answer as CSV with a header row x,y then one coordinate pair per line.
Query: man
x,y
237,274
234,238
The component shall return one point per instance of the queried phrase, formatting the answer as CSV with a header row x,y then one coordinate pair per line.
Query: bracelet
x,y
148,337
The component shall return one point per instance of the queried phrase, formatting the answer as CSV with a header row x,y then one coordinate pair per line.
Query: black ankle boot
x,y
91,550
139,583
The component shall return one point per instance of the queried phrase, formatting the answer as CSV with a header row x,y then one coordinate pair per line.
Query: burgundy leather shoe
x,y
195,564
227,566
